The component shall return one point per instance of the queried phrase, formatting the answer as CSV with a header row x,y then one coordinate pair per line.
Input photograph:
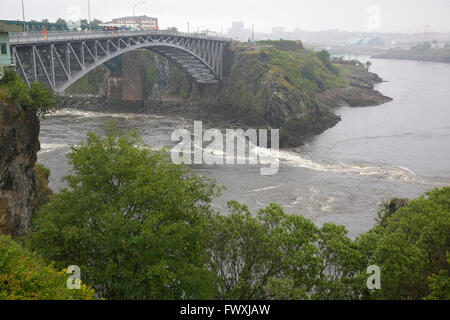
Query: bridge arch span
x,y
59,60
202,73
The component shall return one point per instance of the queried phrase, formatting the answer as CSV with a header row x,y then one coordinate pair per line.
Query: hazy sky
x,y
394,15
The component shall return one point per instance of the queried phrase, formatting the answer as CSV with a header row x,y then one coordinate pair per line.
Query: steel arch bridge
x,y
59,59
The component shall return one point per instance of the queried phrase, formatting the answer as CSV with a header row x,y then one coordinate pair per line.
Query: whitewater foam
x,y
48,147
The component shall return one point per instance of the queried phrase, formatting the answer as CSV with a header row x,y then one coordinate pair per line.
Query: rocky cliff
x,y
23,183
292,89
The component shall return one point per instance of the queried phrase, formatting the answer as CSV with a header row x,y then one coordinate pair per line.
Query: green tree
x,y
25,276
36,97
132,220
440,284
279,256
324,56
61,21
410,247
341,261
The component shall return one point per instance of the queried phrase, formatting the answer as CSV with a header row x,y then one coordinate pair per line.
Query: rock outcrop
x,y
271,89
359,91
23,183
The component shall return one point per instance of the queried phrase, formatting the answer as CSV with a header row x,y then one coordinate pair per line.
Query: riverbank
x,y
295,91
359,92
430,54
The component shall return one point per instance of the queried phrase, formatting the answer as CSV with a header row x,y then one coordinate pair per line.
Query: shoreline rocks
x,y
359,92
292,91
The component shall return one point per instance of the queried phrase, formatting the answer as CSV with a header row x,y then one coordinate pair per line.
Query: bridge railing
x,y
16,38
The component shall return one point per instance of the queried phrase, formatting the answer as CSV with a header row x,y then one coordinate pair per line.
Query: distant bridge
x,y
58,59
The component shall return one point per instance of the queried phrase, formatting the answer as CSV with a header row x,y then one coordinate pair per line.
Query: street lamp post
x,y
89,14
23,16
188,26
134,11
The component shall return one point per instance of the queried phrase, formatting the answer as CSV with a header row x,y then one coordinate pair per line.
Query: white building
x,y
141,22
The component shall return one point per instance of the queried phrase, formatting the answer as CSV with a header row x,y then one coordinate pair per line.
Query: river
x,y
399,149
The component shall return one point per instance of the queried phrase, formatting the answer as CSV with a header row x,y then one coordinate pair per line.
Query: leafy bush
x,y
132,220
410,246
440,284
281,256
324,56
24,276
37,97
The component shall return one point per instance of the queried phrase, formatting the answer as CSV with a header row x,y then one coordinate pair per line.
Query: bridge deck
x,y
26,38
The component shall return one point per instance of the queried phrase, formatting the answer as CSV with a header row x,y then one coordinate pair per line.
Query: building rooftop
x,y
134,17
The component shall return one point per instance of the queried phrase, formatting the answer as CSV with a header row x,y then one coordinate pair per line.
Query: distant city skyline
x,y
310,15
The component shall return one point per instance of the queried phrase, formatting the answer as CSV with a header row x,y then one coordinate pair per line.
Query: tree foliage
x,y
36,97
410,247
25,276
279,256
134,222
141,227
324,56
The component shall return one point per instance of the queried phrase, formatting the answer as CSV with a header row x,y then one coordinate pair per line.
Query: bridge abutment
x,y
114,88
132,78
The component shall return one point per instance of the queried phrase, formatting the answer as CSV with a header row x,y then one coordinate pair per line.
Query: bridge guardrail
x,y
16,38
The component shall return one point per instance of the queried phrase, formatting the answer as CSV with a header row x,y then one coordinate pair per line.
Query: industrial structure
x,y
366,42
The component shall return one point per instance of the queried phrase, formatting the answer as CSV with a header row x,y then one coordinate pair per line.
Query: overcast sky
x,y
386,16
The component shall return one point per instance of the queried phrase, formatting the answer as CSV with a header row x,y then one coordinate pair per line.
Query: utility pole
x,y
253,33
134,11
23,15
89,14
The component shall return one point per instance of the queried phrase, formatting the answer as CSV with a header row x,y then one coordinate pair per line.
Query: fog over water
x,y
399,149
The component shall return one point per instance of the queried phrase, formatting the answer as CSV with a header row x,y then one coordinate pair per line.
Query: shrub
x,y
411,247
281,256
36,97
24,276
